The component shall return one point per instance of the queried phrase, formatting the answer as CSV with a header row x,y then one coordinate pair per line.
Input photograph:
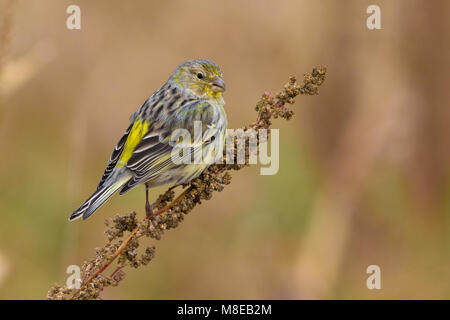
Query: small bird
x,y
193,94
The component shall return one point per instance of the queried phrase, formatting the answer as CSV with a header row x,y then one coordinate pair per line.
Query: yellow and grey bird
x,y
193,94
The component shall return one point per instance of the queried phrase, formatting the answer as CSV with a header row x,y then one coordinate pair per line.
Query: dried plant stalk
x,y
171,212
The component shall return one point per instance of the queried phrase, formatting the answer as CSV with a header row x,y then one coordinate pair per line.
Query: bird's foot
x,y
150,215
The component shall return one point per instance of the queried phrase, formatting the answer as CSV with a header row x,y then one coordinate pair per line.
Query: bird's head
x,y
201,77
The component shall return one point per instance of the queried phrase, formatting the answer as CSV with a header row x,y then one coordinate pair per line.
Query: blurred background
x,y
364,166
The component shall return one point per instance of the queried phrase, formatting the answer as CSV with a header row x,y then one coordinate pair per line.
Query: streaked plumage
x,y
143,154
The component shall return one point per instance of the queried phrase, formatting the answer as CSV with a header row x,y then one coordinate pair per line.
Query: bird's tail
x,y
97,199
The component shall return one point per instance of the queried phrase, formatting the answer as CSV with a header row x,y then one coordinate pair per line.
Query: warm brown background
x,y
364,172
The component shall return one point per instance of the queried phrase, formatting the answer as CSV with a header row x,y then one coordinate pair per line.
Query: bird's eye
x,y
199,75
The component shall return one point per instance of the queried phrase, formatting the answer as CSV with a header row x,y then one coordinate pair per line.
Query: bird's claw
x,y
151,215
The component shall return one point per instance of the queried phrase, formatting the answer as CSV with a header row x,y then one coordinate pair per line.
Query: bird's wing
x,y
117,152
114,157
152,154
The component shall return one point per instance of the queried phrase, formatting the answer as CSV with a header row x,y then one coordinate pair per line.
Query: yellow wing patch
x,y
138,130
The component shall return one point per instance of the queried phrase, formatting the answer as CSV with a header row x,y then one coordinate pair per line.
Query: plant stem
x,y
126,241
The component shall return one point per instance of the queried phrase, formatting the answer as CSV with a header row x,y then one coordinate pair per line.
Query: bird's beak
x,y
218,85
